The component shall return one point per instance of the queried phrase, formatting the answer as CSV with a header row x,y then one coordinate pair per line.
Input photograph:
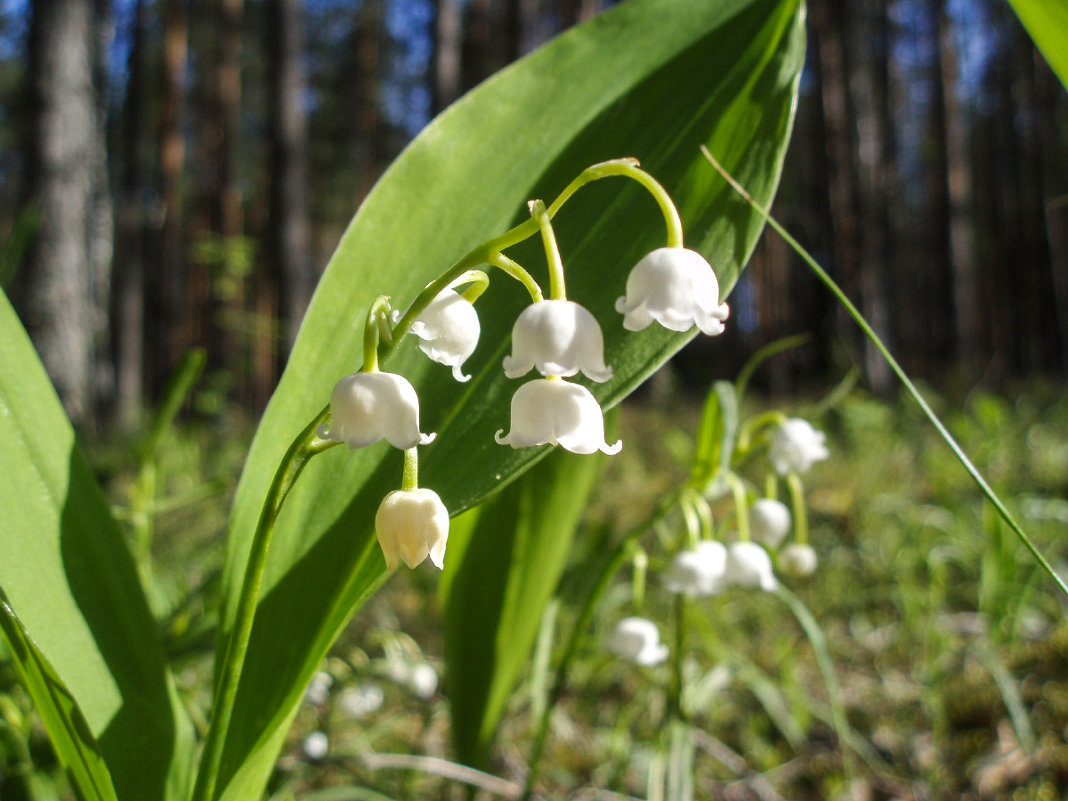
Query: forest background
x,y
176,174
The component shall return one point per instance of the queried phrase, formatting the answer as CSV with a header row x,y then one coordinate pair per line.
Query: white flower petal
x,y
677,288
637,639
769,522
558,338
448,329
798,560
697,572
558,412
411,525
748,565
367,407
796,446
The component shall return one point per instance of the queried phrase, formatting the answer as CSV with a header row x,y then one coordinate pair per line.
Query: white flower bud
x,y
558,412
795,446
748,565
448,329
367,407
423,680
697,572
798,560
319,688
769,521
363,700
411,525
316,745
559,338
677,288
637,639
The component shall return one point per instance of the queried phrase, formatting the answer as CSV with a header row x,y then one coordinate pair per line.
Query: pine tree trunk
x,y
56,299
128,287
966,296
448,52
288,226
169,329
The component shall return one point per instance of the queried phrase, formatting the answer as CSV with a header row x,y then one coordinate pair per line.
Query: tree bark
x,y
169,327
57,299
128,287
448,53
288,227
966,296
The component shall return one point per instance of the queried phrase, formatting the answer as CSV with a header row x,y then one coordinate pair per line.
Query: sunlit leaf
x,y
1047,22
75,745
67,574
502,572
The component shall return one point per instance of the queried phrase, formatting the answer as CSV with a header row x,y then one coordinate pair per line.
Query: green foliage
x,y
503,568
659,78
1047,22
72,739
67,574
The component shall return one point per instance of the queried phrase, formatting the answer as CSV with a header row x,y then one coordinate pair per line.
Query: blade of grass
x,y
858,318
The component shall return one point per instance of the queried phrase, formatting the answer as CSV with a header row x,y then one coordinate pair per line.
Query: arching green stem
x,y
557,287
410,474
376,330
304,447
512,268
741,505
755,425
627,168
702,510
797,497
640,563
771,485
477,281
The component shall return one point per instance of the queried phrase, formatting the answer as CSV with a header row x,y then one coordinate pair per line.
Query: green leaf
x,y
715,434
67,573
74,742
652,79
1047,23
501,573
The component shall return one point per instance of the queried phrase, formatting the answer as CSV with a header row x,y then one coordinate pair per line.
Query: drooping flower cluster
x,y
556,337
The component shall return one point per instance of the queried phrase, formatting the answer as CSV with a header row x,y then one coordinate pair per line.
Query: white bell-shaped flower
x,y
748,565
448,329
367,407
699,571
316,746
769,521
558,338
796,446
798,560
411,525
637,639
558,412
677,288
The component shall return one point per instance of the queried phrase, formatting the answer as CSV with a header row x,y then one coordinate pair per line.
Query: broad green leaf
x,y
74,742
501,573
1047,23
653,79
68,576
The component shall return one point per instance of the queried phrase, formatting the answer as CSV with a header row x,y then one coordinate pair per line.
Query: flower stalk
x,y
306,445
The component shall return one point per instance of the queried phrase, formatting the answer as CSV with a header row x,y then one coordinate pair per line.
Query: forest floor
x,y
947,647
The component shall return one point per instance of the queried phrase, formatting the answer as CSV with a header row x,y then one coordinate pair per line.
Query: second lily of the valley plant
x,y
555,336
